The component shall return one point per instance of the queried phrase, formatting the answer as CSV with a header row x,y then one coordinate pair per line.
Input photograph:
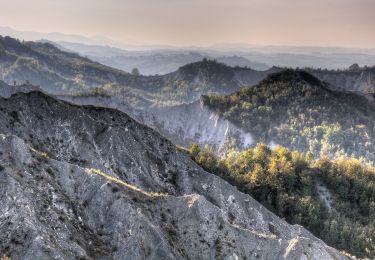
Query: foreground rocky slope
x,y
92,183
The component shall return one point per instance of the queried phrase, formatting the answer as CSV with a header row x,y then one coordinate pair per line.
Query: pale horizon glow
x,y
346,23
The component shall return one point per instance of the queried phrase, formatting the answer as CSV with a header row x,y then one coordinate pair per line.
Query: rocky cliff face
x,y
194,122
361,81
87,182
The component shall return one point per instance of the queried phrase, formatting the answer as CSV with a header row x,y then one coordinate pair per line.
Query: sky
x,y
346,23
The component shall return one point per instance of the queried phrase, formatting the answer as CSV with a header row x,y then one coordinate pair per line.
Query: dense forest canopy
x,y
334,199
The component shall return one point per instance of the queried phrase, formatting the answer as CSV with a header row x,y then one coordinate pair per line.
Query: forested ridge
x,y
298,111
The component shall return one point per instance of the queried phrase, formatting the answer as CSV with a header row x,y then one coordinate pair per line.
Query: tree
x,y
354,67
135,72
194,150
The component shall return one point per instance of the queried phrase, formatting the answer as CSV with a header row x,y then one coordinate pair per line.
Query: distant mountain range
x,y
153,62
163,61
127,56
61,72
58,36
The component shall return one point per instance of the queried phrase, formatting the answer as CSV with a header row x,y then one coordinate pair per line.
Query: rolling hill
x,y
298,111
61,72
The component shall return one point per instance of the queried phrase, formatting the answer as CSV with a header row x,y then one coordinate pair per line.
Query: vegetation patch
x,y
286,183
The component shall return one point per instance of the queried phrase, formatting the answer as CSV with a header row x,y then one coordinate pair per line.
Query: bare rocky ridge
x,y
195,122
183,124
7,91
87,182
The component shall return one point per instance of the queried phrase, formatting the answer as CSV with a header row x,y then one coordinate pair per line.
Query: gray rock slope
x,y
195,122
92,183
182,124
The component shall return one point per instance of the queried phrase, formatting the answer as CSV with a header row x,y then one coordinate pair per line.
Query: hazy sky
x,y
349,23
